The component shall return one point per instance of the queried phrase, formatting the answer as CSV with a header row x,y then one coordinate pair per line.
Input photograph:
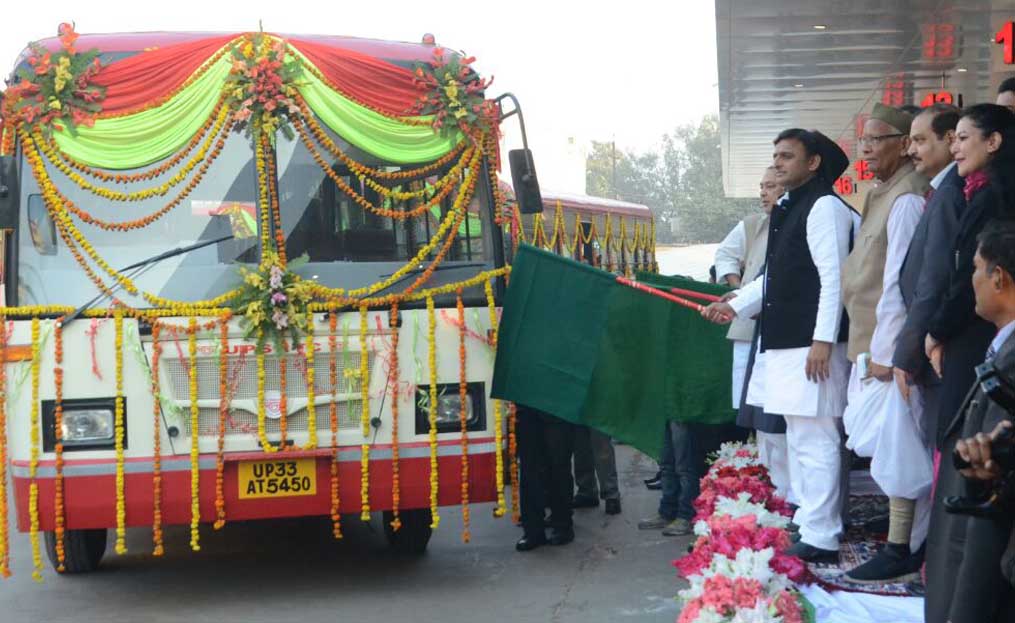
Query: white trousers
x,y
774,455
814,472
741,353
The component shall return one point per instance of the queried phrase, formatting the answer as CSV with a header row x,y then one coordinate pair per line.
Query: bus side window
x,y
41,227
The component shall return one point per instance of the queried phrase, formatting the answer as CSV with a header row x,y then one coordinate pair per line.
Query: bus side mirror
x,y
523,178
8,193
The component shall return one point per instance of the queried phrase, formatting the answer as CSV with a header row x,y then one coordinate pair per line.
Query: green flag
x,y
578,345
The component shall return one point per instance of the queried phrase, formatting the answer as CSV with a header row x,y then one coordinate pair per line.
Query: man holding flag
x,y
804,329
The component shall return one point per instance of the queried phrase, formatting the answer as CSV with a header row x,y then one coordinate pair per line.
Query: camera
x,y
998,496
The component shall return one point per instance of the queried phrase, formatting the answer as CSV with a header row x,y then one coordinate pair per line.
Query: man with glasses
x,y
874,303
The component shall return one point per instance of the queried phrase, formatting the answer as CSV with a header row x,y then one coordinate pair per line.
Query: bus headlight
x,y
449,408
87,426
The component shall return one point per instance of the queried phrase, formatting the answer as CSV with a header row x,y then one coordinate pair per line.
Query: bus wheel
x,y
414,535
83,549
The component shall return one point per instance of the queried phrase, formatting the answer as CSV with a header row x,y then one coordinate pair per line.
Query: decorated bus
x,y
247,276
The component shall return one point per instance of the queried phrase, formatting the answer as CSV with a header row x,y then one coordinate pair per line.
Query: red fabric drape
x,y
372,81
146,77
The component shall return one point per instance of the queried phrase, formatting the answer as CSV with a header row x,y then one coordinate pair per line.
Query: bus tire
x,y
83,549
414,535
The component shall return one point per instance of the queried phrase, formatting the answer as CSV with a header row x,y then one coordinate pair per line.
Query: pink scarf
x,y
974,182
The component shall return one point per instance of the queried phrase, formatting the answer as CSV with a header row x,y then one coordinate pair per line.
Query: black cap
x,y
834,161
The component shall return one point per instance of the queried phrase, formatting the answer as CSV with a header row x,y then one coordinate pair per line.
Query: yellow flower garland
x,y
58,501
311,390
435,518
157,546
498,415
336,517
118,427
195,423
33,463
463,394
396,522
364,372
364,470
262,433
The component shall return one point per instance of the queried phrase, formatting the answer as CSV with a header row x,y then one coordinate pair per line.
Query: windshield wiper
x,y
141,267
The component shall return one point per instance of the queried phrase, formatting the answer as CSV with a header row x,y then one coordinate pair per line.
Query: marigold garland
x,y
498,415
463,416
58,501
33,464
283,400
157,547
435,518
364,372
393,379
311,389
118,427
364,470
276,212
5,552
220,499
195,423
513,458
262,415
263,205
336,517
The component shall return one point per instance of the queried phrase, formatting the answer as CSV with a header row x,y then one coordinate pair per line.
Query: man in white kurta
x,y
806,384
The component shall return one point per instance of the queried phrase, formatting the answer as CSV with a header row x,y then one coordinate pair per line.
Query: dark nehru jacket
x,y
792,284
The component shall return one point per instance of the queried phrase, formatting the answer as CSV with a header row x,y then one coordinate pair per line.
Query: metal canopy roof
x,y
822,64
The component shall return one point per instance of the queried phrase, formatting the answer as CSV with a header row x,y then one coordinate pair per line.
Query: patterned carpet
x,y
861,544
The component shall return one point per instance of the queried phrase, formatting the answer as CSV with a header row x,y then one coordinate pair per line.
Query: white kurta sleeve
x,y
732,253
748,300
891,310
828,230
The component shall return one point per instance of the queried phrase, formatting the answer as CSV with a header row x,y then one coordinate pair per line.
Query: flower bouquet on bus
x,y
273,301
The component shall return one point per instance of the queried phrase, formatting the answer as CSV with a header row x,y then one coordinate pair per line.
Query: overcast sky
x,y
583,71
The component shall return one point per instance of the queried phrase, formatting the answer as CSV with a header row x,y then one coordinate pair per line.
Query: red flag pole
x,y
663,295
698,295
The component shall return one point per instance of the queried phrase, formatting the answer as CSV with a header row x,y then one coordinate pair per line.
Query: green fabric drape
x,y
578,345
146,137
372,132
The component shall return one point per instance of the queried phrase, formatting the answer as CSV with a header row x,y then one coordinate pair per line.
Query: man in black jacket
x,y
926,269
968,585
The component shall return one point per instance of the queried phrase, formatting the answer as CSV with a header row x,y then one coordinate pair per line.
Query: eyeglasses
x,y
876,140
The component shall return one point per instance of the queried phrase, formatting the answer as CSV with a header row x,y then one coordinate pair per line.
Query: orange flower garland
x,y
463,415
435,518
336,517
118,426
283,400
157,549
311,380
516,515
260,163
195,424
396,523
58,502
364,381
276,212
220,499
5,551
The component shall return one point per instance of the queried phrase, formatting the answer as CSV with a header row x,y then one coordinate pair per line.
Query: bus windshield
x,y
348,245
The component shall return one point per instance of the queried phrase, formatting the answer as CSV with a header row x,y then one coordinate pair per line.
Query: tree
x,y
682,184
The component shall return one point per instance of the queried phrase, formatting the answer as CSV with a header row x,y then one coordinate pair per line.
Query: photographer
x,y
972,521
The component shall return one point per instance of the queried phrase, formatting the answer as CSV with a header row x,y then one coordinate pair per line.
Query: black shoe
x,y
894,563
584,501
655,485
613,506
657,479
560,537
809,553
527,543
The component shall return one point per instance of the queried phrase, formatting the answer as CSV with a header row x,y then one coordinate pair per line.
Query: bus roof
x,y
601,205
129,43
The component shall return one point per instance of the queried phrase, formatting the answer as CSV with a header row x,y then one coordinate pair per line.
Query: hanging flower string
x,y
498,412
157,547
435,518
336,517
195,434
118,427
58,496
463,416
33,461
220,499
311,374
393,380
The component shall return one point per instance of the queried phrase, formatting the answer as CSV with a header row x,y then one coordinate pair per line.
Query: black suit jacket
x,y
925,273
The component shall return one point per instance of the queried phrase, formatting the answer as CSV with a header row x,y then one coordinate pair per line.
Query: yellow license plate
x,y
277,479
